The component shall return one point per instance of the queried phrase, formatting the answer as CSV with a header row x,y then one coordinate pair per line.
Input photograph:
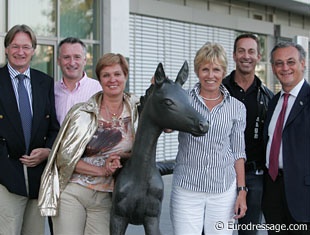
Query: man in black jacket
x,y
244,85
24,148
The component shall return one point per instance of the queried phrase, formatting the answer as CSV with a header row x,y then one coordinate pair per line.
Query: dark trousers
x,y
254,213
275,207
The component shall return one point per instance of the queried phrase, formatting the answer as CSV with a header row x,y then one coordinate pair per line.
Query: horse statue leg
x,y
118,225
151,226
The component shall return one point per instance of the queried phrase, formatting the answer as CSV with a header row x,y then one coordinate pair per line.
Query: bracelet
x,y
242,188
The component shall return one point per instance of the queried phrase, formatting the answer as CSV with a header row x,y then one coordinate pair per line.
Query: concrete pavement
x,y
165,223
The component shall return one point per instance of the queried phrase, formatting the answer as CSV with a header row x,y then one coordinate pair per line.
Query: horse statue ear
x,y
160,75
183,74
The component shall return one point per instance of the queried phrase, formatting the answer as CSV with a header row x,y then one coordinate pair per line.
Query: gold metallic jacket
x,y
76,131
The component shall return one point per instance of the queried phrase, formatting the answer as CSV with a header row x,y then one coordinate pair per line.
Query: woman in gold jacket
x,y
78,179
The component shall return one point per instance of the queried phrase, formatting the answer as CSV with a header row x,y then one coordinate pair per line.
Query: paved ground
x,y
165,224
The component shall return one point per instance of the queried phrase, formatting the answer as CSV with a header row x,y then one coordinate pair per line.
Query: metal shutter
x,y
154,40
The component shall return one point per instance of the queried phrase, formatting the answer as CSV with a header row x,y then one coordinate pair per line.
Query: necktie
x,y
276,141
24,109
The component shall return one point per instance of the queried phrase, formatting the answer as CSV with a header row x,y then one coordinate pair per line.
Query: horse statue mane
x,y
138,191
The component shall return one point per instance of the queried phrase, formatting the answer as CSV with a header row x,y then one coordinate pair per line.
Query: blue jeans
x,y
253,215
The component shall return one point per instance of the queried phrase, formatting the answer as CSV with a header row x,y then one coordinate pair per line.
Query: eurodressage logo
x,y
231,225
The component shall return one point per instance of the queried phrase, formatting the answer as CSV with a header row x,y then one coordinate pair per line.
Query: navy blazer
x,y
12,144
296,153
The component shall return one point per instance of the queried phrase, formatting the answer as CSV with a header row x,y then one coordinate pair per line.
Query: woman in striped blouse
x,y
208,189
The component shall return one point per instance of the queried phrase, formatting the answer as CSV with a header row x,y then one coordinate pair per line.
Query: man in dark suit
x,y
286,199
23,157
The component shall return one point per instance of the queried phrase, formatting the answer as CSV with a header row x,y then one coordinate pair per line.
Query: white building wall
x,y
116,26
170,31
234,14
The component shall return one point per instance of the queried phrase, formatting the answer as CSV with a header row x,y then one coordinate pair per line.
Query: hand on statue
x,y
168,130
112,163
125,155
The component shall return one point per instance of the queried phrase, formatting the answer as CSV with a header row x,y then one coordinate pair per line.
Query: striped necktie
x,y
24,109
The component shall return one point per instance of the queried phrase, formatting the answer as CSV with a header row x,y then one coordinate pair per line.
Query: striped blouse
x,y
206,163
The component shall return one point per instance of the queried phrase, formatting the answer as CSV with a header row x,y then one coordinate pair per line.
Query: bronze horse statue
x,y
138,190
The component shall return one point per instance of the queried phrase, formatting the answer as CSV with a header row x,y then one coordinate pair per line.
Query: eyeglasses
x,y
24,47
280,64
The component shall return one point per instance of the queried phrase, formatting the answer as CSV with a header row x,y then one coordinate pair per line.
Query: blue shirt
x,y
206,163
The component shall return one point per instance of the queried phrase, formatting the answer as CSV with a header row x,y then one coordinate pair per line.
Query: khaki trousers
x,y
19,215
82,211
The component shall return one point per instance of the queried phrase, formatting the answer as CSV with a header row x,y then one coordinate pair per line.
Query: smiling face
x,y
210,76
20,51
288,67
112,80
246,55
72,59
210,66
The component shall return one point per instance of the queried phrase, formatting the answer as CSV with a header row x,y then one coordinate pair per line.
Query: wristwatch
x,y
242,188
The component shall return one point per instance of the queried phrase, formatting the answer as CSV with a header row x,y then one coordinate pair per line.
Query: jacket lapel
x,y
38,100
299,104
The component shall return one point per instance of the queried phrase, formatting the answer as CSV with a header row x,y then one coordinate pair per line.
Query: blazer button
x,y
44,138
1,116
47,116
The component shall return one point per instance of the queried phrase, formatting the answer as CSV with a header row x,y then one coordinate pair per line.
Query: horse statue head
x,y
170,105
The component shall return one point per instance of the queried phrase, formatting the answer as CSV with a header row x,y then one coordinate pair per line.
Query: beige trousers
x,y
19,215
82,211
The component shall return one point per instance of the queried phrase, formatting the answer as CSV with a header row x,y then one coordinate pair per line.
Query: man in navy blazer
x,y
20,170
286,199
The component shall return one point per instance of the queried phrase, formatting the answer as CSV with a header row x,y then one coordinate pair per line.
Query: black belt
x,y
253,166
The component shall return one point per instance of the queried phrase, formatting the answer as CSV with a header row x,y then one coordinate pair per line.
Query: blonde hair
x,y
210,52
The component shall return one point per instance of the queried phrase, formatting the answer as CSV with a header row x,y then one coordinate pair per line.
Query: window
x,y
78,19
40,15
44,59
75,18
